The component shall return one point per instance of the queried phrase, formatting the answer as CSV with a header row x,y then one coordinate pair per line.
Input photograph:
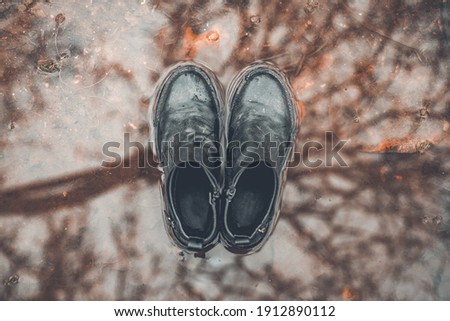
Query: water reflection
x,y
375,73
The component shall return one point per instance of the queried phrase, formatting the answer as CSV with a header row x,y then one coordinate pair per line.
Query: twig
x,y
380,33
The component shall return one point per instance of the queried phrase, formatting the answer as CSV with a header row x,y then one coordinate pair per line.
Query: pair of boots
x,y
223,163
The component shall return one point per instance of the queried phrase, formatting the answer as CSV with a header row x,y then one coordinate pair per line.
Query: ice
x,y
76,75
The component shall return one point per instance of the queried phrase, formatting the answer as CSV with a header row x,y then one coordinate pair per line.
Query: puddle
x,y
76,75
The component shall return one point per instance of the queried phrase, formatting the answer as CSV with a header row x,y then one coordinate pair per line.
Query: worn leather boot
x,y
186,129
261,128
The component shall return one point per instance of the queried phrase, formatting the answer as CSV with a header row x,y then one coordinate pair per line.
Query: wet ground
x,y
78,74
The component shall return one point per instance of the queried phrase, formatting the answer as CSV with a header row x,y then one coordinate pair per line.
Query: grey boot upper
x,y
186,117
261,108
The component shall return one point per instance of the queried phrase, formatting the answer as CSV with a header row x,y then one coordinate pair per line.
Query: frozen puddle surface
x,y
76,75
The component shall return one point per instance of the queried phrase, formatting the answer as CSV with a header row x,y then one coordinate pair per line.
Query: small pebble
x,y
60,18
12,280
213,36
255,19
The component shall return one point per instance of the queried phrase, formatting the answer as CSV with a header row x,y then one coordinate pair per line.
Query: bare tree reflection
x,y
377,229
74,189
